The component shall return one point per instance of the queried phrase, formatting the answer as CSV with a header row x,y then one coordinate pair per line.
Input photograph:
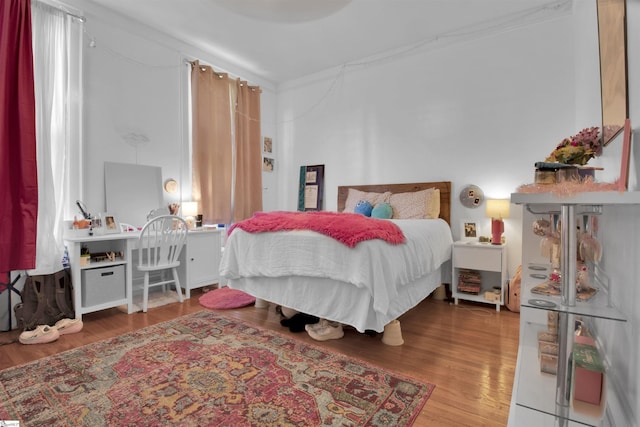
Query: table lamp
x,y
189,211
497,209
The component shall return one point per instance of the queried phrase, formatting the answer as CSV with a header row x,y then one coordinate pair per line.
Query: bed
x,y
366,286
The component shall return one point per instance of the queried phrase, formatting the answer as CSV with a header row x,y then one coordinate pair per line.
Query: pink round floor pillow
x,y
224,298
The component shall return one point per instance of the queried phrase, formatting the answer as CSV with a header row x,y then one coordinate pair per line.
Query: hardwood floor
x,y
468,351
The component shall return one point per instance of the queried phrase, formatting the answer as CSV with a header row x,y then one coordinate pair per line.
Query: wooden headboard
x,y
443,186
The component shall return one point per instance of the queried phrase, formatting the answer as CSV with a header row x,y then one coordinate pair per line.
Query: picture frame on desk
x,y
110,224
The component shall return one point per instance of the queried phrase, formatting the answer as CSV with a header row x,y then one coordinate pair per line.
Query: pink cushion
x,y
225,298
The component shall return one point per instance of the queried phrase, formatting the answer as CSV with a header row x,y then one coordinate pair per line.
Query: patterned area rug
x,y
204,369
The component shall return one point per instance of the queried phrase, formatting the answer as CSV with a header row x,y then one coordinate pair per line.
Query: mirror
x,y
613,66
132,191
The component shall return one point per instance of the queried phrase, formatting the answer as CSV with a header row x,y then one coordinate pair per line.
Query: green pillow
x,y
382,210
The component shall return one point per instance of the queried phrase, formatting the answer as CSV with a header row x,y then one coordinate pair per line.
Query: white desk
x,y
199,266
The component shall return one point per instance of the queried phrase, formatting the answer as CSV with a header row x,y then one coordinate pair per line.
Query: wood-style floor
x,y
468,351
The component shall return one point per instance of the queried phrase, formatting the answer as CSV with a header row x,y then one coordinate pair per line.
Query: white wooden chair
x,y
159,246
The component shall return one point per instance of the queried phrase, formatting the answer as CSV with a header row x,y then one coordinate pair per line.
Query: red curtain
x,y
18,173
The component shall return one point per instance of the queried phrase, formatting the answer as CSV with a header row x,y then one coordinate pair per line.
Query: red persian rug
x,y
225,298
204,369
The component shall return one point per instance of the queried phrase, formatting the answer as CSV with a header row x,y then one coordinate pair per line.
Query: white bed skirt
x,y
336,300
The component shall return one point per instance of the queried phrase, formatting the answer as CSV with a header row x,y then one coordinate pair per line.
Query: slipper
x,y
40,335
68,326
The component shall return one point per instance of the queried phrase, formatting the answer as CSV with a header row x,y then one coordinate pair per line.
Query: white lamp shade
x,y
189,208
497,208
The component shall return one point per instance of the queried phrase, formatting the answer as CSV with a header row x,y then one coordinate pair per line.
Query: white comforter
x,y
379,267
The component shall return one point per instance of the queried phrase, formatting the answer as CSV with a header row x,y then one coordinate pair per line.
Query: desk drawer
x,y
102,285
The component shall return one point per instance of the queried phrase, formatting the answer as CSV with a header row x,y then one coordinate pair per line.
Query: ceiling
x,y
282,40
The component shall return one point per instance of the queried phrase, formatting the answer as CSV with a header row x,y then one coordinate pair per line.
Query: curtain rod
x,y
74,16
55,5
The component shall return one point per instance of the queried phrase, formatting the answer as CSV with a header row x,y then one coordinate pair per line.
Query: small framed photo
x,y
469,230
268,164
267,145
109,224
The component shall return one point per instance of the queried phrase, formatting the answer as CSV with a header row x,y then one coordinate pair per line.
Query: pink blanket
x,y
347,228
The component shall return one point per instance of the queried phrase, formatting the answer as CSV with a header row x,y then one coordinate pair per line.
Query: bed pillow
x,y
354,196
363,207
382,211
423,204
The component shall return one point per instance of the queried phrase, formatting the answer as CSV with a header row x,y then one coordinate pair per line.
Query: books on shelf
x,y
469,281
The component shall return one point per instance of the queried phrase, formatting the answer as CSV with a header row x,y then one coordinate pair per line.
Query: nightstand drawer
x,y
477,258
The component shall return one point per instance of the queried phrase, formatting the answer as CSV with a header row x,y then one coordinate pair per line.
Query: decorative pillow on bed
x,y
382,210
363,207
354,196
416,205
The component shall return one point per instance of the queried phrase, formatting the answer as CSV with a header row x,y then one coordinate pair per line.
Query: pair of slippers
x,y
43,334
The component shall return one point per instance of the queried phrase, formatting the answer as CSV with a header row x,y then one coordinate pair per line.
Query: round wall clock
x,y
471,196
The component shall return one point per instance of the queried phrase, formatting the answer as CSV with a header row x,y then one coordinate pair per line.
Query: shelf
x,y
103,306
477,298
585,198
598,306
99,238
533,386
547,395
102,264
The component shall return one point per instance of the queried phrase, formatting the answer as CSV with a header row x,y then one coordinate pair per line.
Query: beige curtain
x,y
248,185
227,164
212,148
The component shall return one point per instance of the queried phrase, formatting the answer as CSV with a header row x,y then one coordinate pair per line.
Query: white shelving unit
x,y
491,263
541,399
113,292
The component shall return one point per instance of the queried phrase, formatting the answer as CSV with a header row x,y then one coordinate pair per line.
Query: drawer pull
x,y
108,273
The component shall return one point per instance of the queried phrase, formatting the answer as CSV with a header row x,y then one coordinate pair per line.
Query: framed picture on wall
x,y
469,230
268,164
267,145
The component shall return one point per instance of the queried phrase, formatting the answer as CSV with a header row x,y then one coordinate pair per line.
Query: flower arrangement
x,y
578,149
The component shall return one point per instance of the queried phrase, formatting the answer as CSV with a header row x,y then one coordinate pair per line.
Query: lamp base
x,y
497,228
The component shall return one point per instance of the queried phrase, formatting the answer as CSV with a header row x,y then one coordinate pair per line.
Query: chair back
x,y
161,241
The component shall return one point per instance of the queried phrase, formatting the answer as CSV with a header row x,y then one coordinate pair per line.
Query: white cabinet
x,y
542,399
201,257
487,264
103,284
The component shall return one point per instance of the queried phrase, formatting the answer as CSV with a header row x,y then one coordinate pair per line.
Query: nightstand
x,y
479,272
